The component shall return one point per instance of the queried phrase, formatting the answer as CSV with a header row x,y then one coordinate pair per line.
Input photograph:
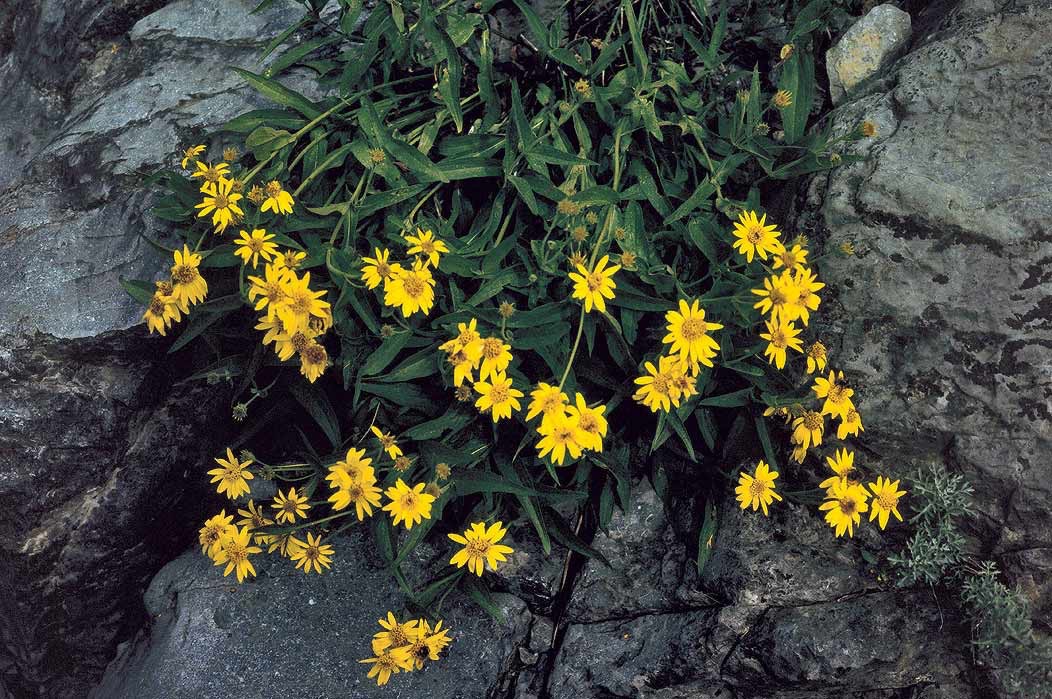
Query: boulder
x,y
866,48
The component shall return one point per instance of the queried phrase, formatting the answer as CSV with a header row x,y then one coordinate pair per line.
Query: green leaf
x,y
765,440
434,429
276,92
385,353
707,536
728,400
316,402
550,154
536,26
799,79
264,141
482,597
139,290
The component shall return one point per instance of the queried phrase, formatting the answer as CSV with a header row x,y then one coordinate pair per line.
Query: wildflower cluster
x,y
405,646
787,297
175,295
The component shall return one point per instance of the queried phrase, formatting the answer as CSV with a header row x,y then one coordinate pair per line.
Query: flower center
x,y
661,383
563,435
409,501
301,303
594,281
290,260
255,244
315,354
848,506
492,348
273,189
211,174
498,394
355,491
777,297
778,339
299,341
817,351
852,416
753,235
312,553
836,393
812,420
274,293
588,423
383,270
478,547
156,306
693,328
221,201
414,286
164,288
458,358
757,487
888,501
184,274
427,246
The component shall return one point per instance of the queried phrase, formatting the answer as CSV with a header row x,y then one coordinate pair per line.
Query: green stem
x,y
573,352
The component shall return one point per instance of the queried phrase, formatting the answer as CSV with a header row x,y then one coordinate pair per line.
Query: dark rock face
x,y
94,438
945,313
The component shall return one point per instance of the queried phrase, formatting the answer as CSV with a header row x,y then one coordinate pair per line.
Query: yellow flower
x,y
780,335
188,286
816,358
290,506
387,662
211,174
836,393
255,245
268,291
844,507
776,295
220,202
467,341
806,300
230,154
808,428
234,550
232,476
254,517
462,367
850,424
791,259
396,634
356,465
757,490
786,52
558,436
412,289
411,505
843,465
361,492
886,495
278,200
190,154
782,99
377,270
300,303
290,260
425,243
314,359
688,333
387,442
588,423
214,530
496,356
163,309
288,344
591,286
657,388
427,643
547,401
310,553
497,396
754,237
583,88
481,546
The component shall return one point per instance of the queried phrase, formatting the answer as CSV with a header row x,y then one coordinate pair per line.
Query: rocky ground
x,y
942,319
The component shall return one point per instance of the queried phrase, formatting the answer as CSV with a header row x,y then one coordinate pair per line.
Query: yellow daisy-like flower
x,y
314,360
210,174
496,356
755,237
688,333
468,341
388,662
462,367
547,401
792,259
387,442
362,493
310,553
221,202
278,200
808,429
757,490
428,643
290,506
886,495
163,309
409,505
782,99
481,547
235,547
190,154
558,437
300,303
806,300
850,424
268,291
843,465
497,396
252,246
188,286
287,344
844,507
255,517
836,393
776,296
356,464
425,243
232,475
658,389
588,423
816,358
411,289
378,270
395,634
594,286
214,530
290,260
780,336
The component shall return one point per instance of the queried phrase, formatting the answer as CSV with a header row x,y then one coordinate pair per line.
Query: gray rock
x,y
290,634
945,315
866,48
